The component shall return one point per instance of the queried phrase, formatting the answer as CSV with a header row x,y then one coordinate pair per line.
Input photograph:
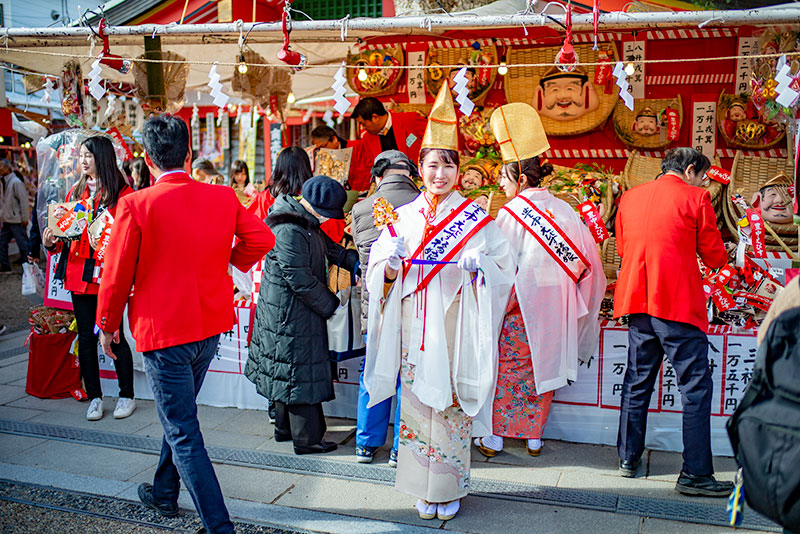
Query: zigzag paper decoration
x,y
342,103
786,95
220,98
96,87
622,82
462,93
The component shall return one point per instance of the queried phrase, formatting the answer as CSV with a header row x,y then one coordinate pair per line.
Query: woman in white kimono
x,y
438,289
552,316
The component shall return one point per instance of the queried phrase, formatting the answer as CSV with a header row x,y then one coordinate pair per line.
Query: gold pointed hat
x,y
518,129
442,128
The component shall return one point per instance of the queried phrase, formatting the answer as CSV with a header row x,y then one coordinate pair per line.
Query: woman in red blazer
x,y
100,187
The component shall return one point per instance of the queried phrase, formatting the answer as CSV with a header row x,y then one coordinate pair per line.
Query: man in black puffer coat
x,y
288,360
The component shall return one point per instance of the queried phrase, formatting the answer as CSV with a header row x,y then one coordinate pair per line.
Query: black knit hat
x,y
326,196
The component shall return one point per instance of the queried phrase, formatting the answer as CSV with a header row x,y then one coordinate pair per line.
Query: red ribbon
x,y
757,232
593,220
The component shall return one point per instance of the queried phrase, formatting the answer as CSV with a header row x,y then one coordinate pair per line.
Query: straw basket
x,y
747,176
573,199
497,199
624,119
756,135
521,84
380,81
338,277
641,169
612,262
470,58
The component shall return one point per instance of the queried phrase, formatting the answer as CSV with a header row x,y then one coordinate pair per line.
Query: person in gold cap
x,y
429,274
774,199
551,318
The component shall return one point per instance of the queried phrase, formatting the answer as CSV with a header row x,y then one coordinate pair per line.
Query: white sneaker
x,y
95,411
125,407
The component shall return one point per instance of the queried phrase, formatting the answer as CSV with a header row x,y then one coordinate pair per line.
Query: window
x,y
337,9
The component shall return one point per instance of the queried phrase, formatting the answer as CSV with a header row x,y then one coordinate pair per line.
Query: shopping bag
x,y
32,280
51,373
344,327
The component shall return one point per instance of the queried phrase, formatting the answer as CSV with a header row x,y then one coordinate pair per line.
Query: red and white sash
x,y
542,227
448,237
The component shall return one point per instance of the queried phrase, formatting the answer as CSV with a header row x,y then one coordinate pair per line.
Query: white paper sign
x,y
416,78
704,131
747,46
634,51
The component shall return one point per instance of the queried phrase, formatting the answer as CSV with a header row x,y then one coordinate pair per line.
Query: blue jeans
x,y
686,346
372,423
175,375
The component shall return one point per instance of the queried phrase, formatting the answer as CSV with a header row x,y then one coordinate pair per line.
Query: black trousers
x,y
85,307
686,346
305,423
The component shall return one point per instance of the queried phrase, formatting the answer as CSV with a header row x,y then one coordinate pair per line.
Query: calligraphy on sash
x,y
719,295
718,174
448,237
102,243
593,220
548,234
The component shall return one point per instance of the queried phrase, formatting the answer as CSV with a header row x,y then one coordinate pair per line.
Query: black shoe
x,y
281,436
146,496
321,447
705,485
627,468
6,270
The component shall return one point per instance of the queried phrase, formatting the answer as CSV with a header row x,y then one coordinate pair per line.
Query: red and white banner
x,y
549,235
718,174
718,295
757,233
593,220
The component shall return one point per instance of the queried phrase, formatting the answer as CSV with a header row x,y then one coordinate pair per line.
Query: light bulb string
x,y
789,55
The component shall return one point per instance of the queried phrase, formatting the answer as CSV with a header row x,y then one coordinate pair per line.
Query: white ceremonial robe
x,y
560,316
481,309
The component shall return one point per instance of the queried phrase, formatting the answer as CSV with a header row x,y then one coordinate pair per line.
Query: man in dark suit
x,y
662,226
180,307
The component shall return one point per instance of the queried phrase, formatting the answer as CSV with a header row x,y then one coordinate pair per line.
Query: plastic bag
x,y
32,280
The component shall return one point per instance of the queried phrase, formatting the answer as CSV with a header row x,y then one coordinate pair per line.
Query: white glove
x,y
470,260
398,247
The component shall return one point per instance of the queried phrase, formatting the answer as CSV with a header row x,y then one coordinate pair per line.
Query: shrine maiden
x,y
437,291
551,319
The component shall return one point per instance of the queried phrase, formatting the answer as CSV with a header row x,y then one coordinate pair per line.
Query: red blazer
x,y
661,227
334,228
75,264
173,240
406,127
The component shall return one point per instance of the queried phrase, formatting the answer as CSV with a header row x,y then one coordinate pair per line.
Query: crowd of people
x,y
471,322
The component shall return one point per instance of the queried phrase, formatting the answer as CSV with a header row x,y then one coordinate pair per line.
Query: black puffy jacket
x,y
288,357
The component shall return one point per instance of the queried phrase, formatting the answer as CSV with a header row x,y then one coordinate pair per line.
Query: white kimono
x,y
460,322
560,316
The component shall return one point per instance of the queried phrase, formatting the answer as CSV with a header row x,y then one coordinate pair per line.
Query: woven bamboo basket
x,y
758,142
748,174
573,200
497,199
461,56
641,169
521,83
612,262
624,119
339,278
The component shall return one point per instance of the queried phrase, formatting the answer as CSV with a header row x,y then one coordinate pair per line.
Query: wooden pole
x,y
155,74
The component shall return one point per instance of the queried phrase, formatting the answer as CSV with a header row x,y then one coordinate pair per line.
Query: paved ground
x,y
14,307
56,467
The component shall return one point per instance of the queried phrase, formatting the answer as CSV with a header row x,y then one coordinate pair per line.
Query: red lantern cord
x,y
595,21
567,58
296,60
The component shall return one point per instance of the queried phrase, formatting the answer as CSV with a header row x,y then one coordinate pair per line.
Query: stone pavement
x,y
47,447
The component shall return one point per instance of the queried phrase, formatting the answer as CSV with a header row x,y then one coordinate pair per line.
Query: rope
x,y
183,15
405,67
343,23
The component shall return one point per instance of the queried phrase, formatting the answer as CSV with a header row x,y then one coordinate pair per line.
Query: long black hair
x,y
532,168
139,165
237,167
109,178
291,171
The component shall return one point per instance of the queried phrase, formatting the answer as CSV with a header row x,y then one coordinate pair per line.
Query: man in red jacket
x,y
661,227
383,131
174,240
